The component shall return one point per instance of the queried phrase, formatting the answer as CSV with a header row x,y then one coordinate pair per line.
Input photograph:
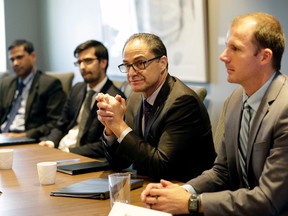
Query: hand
x,y
111,113
47,143
166,196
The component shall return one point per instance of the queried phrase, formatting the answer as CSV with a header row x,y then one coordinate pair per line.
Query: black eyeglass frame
x,y
124,68
86,61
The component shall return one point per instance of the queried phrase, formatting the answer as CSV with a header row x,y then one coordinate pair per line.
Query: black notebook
x,y
85,167
6,141
92,188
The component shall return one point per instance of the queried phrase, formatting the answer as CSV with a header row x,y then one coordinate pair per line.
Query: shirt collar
x,y
255,99
28,78
99,86
151,99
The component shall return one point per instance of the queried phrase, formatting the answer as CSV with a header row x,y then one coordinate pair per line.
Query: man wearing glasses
x,y
167,131
78,130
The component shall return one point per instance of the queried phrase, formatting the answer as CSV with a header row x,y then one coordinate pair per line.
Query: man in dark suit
x,y
250,175
31,101
174,140
69,135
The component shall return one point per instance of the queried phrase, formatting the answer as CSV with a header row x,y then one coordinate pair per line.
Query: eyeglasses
x,y
139,65
85,61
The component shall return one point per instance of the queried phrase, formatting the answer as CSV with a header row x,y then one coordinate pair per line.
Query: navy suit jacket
x,y
267,156
90,144
44,103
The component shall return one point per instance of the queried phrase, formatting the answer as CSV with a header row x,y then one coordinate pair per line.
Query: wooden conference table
x,y
23,195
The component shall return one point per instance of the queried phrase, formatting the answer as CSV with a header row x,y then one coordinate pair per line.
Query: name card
x,y
122,209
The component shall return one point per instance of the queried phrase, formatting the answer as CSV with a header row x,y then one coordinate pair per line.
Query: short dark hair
x,y
153,41
268,34
101,51
28,46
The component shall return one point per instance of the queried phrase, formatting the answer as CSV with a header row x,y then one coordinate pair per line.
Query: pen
x,y
68,161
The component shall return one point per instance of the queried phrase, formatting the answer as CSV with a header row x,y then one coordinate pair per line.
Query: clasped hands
x,y
111,111
166,196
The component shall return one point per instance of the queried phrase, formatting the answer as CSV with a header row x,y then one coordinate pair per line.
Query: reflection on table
x,y
23,195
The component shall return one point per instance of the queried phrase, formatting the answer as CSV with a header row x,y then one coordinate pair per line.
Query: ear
x,y
266,56
163,63
33,55
103,63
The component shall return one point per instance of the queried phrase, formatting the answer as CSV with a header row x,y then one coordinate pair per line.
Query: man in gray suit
x,y
30,101
252,180
178,129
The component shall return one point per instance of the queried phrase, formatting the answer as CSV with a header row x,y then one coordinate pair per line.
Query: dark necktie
x,y
243,141
15,107
85,115
147,109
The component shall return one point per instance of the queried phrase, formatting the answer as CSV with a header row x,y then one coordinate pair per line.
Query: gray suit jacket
x,y
267,159
178,144
44,103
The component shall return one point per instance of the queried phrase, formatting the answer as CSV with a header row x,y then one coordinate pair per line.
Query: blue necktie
x,y
243,141
15,107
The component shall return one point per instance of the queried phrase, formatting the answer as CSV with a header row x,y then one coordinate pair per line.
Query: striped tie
x,y
243,140
85,115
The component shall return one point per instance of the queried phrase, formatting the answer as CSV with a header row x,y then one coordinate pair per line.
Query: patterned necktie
x,y
243,141
15,107
85,114
147,109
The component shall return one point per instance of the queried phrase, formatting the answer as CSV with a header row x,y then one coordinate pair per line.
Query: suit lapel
x,y
80,99
159,102
11,91
94,109
32,93
268,99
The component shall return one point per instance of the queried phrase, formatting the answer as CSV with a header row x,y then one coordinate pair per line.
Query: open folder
x,y
95,188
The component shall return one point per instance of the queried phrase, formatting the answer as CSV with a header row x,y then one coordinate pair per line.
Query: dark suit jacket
x,y
90,144
44,103
179,142
267,159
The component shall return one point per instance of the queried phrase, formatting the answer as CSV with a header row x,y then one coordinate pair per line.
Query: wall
x,y
22,21
57,26
221,12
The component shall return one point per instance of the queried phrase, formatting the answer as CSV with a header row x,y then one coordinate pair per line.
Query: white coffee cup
x,y
47,172
6,158
119,187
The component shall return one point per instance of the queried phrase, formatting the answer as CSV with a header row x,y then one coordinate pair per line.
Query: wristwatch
x,y
194,203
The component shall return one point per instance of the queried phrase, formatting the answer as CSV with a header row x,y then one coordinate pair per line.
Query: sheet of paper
x,y
122,209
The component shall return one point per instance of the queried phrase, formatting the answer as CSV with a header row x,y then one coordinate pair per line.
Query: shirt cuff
x,y
109,140
189,188
50,143
124,133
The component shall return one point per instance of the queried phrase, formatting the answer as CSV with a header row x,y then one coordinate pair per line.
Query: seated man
x,y
79,130
31,101
250,175
168,138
